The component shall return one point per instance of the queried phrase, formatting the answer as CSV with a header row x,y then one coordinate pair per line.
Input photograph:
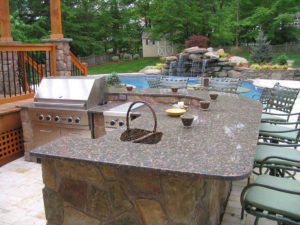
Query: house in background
x,y
155,48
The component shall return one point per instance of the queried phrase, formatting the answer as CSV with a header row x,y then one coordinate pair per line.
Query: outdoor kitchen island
x,y
185,179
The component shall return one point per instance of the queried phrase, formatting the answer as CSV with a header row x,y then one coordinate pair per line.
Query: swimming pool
x,y
141,82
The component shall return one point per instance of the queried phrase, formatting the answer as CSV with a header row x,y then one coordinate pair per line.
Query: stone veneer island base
x,y
91,194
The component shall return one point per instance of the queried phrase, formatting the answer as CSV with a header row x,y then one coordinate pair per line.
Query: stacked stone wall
x,y
82,193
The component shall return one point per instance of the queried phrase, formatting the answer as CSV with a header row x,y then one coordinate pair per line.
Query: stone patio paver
x,y
21,199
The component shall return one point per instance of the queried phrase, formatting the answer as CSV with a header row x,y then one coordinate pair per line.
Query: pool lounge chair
x,y
274,198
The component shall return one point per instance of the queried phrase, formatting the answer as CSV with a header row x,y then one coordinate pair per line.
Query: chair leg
x,y
256,220
242,213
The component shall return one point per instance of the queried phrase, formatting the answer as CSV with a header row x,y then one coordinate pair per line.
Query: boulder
x,y
195,57
195,50
238,60
152,71
235,74
171,58
210,49
212,55
220,74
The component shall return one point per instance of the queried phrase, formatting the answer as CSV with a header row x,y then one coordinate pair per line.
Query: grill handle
x,y
62,105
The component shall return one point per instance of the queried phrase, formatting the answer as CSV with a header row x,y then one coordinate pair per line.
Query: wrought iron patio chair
x,y
153,82
264,98
277,159
225,84
274,198
286,132
173,82
281,99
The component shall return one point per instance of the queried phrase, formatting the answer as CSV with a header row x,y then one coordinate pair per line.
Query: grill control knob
x,y
112,123
70,119
77,120
41,117
121,124
56,118
48,117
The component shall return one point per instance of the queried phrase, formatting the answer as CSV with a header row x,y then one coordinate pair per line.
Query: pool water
x,y
141,82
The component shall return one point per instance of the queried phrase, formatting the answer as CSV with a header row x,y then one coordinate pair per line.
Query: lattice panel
x,y
11,143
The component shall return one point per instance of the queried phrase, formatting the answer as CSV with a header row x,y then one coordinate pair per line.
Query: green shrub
x,y
127,56
282,60
136,56
261,52
115,58
113,79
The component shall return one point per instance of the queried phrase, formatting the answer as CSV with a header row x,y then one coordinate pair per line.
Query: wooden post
x,y
5,29
55,15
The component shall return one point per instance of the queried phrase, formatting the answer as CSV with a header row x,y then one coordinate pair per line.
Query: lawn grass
x,y
124,66
291,56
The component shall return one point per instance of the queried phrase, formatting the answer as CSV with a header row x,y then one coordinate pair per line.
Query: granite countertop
x,y
221,143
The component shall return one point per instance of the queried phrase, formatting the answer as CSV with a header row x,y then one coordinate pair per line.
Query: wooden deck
x,y
11,135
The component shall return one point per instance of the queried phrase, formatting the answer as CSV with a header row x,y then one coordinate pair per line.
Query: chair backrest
x,y
283,98
224,84
153,82
173,82
266,95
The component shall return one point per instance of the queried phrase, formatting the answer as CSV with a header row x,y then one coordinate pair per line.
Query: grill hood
x,y
71,92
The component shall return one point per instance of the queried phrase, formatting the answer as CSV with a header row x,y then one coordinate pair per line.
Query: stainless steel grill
x,y
61,107
71,92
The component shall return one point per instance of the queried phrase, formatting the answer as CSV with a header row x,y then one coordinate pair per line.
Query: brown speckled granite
x,y
221,143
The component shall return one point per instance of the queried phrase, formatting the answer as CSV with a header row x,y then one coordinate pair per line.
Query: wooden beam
x,y
16,98
5,27
55,16
10,47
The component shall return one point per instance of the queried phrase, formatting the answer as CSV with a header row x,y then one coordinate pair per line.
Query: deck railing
x,y
78,68
22,66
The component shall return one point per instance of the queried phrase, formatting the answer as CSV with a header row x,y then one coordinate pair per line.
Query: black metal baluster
x,y
8,73
49,61
3,77
14,73
28,74
33,71
39,70
46,64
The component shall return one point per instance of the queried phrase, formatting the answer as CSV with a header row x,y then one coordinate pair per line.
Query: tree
x,y
274,17
30,20
261,53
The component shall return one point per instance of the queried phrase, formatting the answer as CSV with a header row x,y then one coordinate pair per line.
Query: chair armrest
x,y
278,145
276,157
281,114
278,132
282,123
278,108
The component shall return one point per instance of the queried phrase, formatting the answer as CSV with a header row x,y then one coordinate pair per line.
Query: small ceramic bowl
x,y
187,120
174,90
213,96
204,105
129,88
